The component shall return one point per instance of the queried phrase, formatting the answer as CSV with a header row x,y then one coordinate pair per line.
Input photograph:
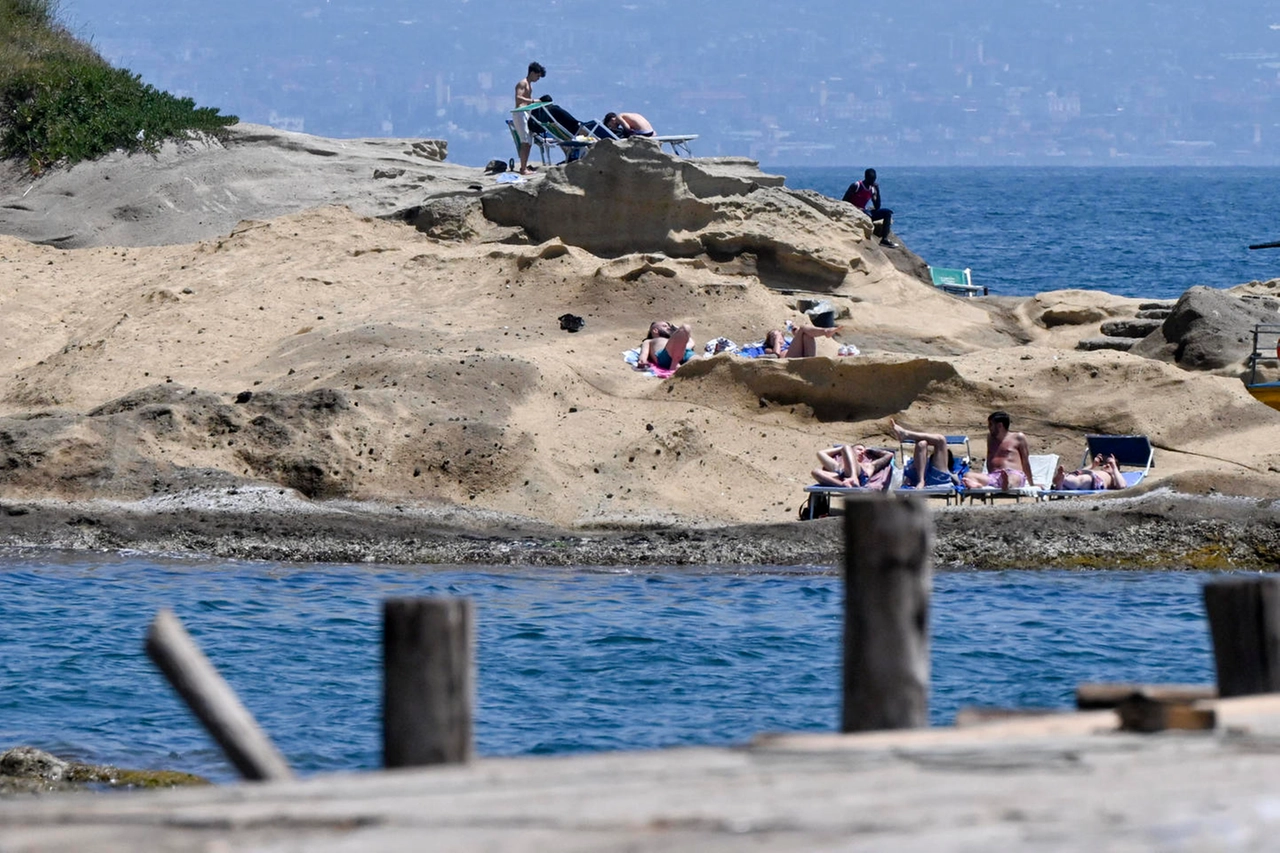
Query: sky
x,y
807,82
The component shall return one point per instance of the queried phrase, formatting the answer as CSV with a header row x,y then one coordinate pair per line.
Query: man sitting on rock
x,y
1101,475
867,192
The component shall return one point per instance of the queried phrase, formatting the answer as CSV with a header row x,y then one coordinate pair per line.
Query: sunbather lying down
x,y
854,466
666,345
804,341
932,463
1102,474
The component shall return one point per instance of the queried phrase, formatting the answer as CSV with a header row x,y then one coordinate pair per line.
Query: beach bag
x,y
494,167
821,506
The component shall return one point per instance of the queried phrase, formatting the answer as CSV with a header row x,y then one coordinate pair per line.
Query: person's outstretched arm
x,y
646,353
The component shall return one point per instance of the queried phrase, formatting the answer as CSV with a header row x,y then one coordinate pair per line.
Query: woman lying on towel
x,y
804,341
1102,474
855,467
666,346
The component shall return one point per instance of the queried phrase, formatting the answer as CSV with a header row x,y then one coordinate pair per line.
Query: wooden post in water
x,y
1244,621
428,681
213,701
886,613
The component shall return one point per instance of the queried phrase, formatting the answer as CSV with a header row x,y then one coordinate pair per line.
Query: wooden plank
x,y
1044,784
1139,713
888,540
213,701
428,681
975,715
1094,696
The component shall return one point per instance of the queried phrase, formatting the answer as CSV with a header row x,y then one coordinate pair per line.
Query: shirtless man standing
x,y
524,97
1008,458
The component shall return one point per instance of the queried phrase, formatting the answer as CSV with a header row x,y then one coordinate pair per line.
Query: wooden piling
x,y
428,681
1244,621
886,616
213,701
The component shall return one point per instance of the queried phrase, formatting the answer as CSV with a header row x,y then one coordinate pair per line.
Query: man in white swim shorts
x,y
524,97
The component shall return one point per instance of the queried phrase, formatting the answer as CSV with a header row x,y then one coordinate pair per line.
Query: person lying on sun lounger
x,y
1102,474
628,124
932,462
804,341
856,466
666,345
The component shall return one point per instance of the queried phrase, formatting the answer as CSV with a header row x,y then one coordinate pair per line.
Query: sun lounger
x,y
1134,451
959,442
679,143
956,282
547,130
1042,468
536,138
895,480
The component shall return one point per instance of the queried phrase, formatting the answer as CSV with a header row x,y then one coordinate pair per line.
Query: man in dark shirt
x,y
866,192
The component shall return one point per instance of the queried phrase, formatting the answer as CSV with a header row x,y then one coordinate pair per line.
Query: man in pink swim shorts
x,y
1008,458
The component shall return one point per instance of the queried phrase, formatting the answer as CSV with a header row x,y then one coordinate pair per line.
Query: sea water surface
x,y
568,659
1149,233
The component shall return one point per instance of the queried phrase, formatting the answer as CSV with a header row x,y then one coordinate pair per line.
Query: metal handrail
x,y
1272,352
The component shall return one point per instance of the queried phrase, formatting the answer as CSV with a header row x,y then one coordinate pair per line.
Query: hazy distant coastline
x,y
982,83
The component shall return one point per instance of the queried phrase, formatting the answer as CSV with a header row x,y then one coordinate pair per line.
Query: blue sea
x,y
1149,233
568,660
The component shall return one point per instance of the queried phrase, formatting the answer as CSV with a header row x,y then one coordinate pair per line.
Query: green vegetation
x,y
60,102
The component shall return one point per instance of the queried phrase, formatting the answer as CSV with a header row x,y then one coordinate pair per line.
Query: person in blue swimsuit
x,y
666,345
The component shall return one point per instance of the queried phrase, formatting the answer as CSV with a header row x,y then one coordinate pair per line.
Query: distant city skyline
x,y
813,82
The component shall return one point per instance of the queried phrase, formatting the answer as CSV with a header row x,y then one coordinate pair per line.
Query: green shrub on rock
x,y
60,102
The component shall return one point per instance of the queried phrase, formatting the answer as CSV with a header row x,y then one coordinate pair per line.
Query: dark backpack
x,y
821,502
495,166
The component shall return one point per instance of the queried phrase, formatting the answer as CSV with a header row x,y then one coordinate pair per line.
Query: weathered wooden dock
x,y
1063,782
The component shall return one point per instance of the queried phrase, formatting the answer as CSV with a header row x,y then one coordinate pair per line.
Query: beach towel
x,y
755,349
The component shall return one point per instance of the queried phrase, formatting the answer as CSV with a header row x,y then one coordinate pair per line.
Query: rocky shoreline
x,y
286,378
1158,530
27,770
